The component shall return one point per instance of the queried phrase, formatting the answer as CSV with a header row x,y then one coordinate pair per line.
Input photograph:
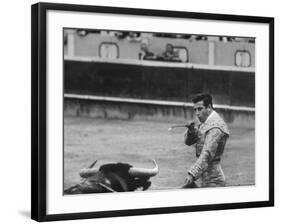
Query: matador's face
x,y
201,112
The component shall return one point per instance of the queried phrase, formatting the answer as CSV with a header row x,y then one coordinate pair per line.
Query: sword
x,y
181,126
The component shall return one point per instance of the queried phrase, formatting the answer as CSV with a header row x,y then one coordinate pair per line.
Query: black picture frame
x,y
39,109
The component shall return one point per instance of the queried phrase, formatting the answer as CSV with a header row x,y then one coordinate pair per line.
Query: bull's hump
x,y
144,163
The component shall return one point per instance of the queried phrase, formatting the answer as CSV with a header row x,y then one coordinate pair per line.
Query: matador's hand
x,y
190,127
189,180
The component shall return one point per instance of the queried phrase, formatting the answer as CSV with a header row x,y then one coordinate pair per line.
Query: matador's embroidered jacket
x,y
209,139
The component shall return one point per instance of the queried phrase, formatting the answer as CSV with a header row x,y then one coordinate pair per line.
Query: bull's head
x,y
113,177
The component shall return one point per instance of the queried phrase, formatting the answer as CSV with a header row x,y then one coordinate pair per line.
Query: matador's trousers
x,y
212,177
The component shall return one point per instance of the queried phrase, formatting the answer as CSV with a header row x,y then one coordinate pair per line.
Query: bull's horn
x,y
87,172
93,164
144,172
90,171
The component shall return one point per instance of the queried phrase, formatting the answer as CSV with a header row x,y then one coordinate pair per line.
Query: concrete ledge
x,y
107,108
159,63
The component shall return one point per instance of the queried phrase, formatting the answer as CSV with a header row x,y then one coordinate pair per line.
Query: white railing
x,y
153,102
160,63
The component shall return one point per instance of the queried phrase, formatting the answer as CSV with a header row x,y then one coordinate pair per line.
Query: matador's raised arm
x,y
191,135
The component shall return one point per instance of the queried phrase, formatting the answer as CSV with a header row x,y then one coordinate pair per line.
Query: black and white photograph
x,y
156,111
149,112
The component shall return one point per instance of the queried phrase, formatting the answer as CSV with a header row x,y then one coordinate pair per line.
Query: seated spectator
x,y
170,54
145,54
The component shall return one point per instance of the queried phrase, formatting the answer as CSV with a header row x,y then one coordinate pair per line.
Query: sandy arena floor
x,y
86,140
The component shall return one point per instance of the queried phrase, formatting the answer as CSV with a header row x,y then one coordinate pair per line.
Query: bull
x,y
113,177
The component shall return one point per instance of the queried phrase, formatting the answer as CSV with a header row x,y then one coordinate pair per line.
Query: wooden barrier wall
x,y
178,83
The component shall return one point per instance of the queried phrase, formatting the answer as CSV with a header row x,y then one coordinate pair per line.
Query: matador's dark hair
x,y
205,97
